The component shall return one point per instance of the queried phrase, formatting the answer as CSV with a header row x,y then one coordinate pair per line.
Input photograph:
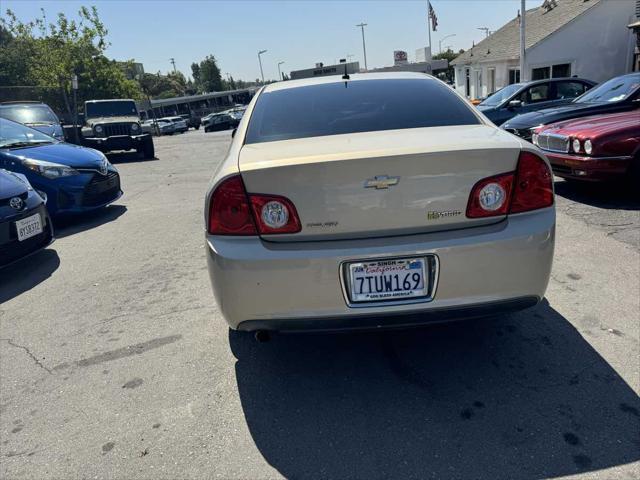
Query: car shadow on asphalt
x,y
519,396
27,273
128,157
71,225
618,195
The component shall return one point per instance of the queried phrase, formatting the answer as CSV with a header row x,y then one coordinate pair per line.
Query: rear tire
x,y
147,149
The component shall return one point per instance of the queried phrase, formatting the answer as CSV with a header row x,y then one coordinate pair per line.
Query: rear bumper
x,y
588,168
398,320
288,286
120,142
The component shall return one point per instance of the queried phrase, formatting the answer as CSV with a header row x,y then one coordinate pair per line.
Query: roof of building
x,y
541,22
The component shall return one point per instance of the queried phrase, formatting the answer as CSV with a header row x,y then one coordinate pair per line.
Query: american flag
x,y
434,19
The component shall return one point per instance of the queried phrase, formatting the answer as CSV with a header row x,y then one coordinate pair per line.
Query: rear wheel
x,y
147,149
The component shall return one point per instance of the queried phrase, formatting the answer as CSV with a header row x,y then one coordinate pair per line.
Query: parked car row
x,y
167,125
44,178
589,132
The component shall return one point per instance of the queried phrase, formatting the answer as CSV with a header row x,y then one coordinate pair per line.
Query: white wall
x,y
597,43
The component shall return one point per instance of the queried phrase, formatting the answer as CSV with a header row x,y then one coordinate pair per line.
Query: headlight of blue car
x,y
48,169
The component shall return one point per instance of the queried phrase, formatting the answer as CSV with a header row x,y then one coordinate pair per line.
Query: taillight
x,y
275,214
530,187
490,196
234,212
533,187
229,210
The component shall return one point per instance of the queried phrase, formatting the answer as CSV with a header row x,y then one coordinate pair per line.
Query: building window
x,y
514,76
540,73
562,70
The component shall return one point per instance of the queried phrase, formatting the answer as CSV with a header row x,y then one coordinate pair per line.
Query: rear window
x,y
355,106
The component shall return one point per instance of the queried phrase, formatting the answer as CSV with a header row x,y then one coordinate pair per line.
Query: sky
x,y
297,32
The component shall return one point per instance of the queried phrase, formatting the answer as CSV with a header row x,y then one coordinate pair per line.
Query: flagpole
x,y
429,24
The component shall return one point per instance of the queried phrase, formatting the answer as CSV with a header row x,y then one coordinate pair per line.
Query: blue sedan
x,y
73,179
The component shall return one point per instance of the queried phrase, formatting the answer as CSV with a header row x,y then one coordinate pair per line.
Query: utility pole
x,y
260,62
523,14
173,62
485,30
364,47
280,77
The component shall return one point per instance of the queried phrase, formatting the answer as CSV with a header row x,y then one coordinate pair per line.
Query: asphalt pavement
x,y
115,362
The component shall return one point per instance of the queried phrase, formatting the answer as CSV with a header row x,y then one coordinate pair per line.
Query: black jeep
x,y
115,125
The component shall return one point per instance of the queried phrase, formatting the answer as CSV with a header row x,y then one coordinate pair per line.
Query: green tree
x,y
163,86
448,55
206,75
48,54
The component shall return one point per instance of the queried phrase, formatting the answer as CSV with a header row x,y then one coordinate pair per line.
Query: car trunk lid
x,y
385,183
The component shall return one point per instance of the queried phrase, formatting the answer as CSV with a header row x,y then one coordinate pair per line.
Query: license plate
x,y
394,279
29,227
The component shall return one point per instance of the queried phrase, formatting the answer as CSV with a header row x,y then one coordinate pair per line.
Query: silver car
x,y
375,200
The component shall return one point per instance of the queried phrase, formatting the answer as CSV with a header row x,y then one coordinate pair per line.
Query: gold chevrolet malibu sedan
x,y
375,200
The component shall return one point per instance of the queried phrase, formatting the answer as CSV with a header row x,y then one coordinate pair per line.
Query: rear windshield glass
x,y
110,109
29,115
355,106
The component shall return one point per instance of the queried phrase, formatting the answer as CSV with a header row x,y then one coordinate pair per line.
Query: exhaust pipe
x,y
262,336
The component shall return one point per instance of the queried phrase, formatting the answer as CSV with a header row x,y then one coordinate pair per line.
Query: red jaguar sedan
x,y
597,148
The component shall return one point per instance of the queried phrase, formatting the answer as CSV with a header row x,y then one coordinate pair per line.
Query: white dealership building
x,y
584,38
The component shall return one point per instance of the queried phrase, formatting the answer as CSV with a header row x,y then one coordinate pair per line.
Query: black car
x,y
219,121
25,226
521,98
620,94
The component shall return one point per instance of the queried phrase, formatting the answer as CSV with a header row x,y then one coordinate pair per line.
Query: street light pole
x,y
442,40
280,77
260,62
364,47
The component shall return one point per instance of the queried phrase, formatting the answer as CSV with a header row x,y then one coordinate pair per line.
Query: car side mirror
x,y
233,132
515,104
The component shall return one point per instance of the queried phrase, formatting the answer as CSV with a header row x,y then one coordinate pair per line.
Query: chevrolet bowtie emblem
x,y
381,181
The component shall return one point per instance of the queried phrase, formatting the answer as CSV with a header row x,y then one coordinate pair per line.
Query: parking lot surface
x,y
115,362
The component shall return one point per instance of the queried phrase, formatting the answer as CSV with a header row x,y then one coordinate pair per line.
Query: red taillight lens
x,y
529,188
229,210
275,214
490,196
533,186
232,211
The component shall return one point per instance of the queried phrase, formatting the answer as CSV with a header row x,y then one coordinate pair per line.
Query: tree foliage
x,y
47,54
207,76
